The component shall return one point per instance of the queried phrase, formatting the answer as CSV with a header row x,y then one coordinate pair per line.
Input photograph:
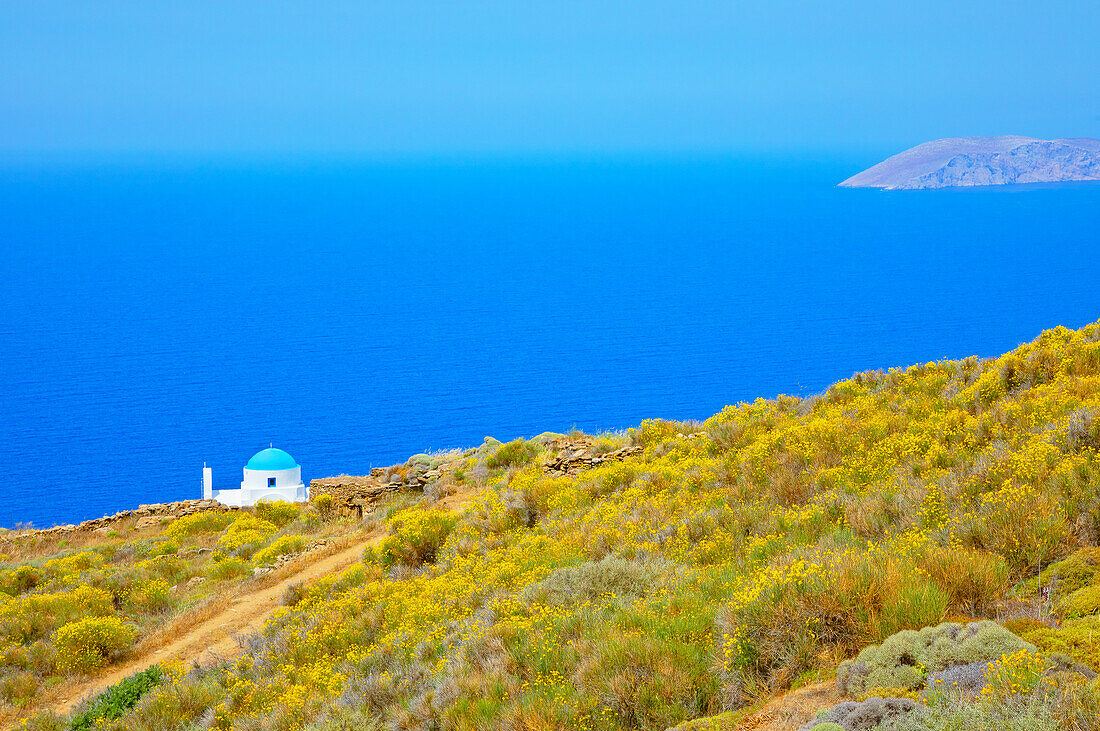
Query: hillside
x,y
973,161
692,580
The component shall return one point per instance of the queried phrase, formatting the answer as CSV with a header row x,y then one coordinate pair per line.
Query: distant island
x,y
971,161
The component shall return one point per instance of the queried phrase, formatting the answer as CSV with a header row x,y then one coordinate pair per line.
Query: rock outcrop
x,y
977,161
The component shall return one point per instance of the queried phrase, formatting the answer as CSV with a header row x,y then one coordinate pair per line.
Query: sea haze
x,y
156,316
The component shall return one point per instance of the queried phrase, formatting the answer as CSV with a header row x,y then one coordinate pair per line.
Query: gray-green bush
x,y
905,658
594,579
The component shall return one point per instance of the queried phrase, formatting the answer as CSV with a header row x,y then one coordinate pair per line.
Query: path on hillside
x,y
789,711
216,636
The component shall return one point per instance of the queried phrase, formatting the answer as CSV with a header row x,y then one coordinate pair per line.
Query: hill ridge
x,y
981,161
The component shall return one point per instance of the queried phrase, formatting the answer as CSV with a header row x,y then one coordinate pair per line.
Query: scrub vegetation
x,y
71,607
928,534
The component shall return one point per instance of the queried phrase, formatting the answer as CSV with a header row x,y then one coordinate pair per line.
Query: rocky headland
x,y
976,161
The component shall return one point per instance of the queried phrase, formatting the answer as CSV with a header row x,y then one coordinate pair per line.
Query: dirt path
x,y
215,637
788,712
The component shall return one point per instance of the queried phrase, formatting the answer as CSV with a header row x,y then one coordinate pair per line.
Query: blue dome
x,y
271,459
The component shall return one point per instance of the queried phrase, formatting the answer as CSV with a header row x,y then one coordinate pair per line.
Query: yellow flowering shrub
x,y
513,454
246,532
280,546
150,596
84,646
228,568
325,505
32,616
67,566
416,535
277,512
20,579
208,521
1018,673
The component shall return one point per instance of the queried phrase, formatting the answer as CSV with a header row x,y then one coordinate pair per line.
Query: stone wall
x,y
570,456
563,456
156,511
357,493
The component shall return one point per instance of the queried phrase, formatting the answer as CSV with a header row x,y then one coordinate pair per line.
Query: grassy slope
x,y
706,575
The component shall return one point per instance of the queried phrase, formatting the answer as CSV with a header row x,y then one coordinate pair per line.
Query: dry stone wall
x,y
359,492
146,515
569,457
564,456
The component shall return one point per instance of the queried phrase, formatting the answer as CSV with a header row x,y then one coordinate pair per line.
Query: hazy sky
x,y
409,76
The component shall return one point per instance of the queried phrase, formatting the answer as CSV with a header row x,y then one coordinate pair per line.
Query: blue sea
x,y
156,315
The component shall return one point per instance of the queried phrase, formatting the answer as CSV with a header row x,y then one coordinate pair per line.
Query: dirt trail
x,y
788,712
216,636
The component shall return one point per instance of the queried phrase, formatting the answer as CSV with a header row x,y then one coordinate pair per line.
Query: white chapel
x,y
271,474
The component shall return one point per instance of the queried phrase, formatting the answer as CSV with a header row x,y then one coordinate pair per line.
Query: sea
x,y
157,315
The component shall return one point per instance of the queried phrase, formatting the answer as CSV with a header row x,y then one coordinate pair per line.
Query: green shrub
x,y
228,568
955,714
167,548
116,700
279,512
168,567
904,659
170,706
20,579
17,686
1078,570
197,523
282,545
1082,602
595,579
85,645
1077,638
513,454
